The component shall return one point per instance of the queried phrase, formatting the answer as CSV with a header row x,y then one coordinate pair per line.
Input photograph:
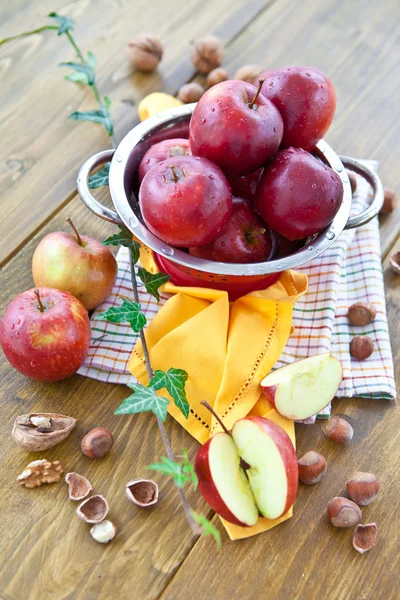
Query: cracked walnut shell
x,y
40,471
37,432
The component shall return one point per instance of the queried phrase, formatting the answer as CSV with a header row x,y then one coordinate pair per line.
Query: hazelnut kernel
x,y
103,532
312,467
97,443
389,202
361,313
217,76
363,488
190,92
145,52
207,54
338,430
361,347
342,512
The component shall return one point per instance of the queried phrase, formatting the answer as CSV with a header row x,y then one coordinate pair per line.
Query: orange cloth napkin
x,y
226,348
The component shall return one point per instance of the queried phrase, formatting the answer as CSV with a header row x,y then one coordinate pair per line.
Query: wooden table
x,y
46,552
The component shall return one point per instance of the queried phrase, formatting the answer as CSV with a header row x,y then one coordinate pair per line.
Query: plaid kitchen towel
x,y
349,271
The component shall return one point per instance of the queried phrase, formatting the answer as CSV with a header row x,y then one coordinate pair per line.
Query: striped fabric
x,y
348,272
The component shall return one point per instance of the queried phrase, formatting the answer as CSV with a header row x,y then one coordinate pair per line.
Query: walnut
x,y
207,54
40,471
145,52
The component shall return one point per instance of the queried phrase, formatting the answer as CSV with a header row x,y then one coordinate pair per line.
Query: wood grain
x,y
46,551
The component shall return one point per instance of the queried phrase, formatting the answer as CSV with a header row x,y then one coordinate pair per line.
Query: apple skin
x,y
298,195
161,151
246,185
49,345
185,201
245,238
287,453
87,271
224,128
306,99
207,487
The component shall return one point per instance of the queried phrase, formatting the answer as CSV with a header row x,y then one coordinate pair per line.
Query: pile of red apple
x,y
246,178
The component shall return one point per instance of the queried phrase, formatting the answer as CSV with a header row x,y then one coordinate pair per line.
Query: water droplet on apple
x,y
324,187
33,364
322,87
311,248
12,326
212,109
211,177
274,129
308,74
17,334
18,321
204,121
314,186
333,178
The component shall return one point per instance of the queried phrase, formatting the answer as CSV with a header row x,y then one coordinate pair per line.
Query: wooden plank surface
x,y
46,551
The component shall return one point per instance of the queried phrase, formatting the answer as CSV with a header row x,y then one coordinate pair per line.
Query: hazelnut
x,y
207,54
361,313
103,532
145,52
97,443
78,486
363,488
395,263
361,347
338,430
93,509
389,202
342,512
312,467
217,76
365,537
353,181
142,492
249,73
190,92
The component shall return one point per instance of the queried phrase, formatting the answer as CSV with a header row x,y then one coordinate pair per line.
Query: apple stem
x,y
212,411
260,84
78,237
41,306
196,529
174,174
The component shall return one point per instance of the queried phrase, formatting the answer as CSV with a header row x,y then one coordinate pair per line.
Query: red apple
x,y
303,388
306,99
245,238
161,151
45,334
185,201
298,195
236,127
222,481
246,185
77,264
273,467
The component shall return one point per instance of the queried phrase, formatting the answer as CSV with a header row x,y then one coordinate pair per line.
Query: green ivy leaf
x,y
66,23
174,381
124,238
100,179
107,102
207,527
101,116
84,70
189,470
143,399
128,312
91,60
170,467
152,282
77,78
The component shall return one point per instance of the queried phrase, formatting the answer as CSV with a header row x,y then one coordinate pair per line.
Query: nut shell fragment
x,y
365,537
40,471
78,486
28,430
142,492
103,532
93,509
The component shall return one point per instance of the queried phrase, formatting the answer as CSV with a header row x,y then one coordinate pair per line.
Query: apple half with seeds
x,y
303,388
250,472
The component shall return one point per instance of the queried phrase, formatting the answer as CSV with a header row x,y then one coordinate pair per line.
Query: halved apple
x,y
303,388
273,467
222,481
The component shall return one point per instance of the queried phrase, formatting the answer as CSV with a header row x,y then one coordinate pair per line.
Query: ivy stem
x,y
27,33
192,523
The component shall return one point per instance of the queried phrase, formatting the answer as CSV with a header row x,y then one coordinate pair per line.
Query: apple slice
x,y
303,388
273,467
222,481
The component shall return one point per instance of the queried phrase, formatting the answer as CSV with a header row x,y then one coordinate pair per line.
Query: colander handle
x,y
373,209
83,187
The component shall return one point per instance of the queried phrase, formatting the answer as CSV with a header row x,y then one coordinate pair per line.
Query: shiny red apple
x,y
245,238
236,127
161,151
246,185
306,99
77,264
298,195
45,334
185,201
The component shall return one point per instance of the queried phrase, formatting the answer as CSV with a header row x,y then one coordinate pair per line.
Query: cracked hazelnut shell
x,y
78,486
364,538
142,492
93,509
35,438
